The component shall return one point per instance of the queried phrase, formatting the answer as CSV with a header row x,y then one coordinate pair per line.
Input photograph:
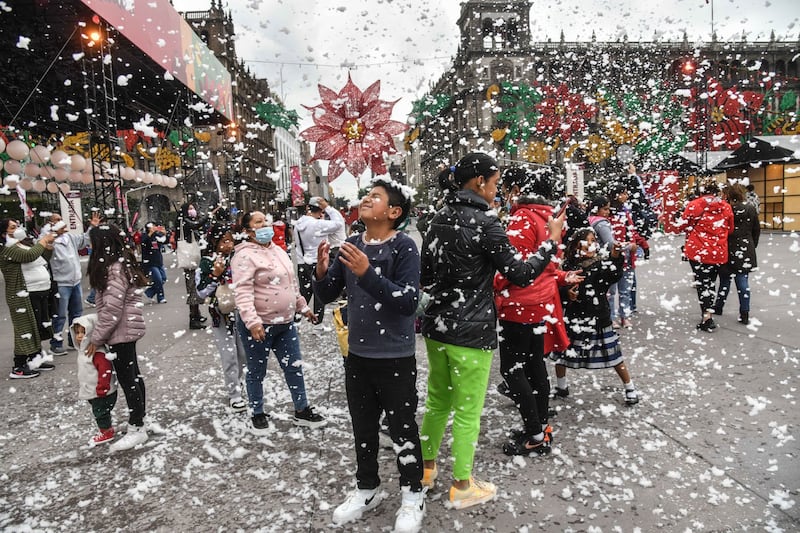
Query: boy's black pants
x,y
375,385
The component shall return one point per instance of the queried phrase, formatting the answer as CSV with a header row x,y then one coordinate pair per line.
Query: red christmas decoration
x,y
563,113
352,129
731,115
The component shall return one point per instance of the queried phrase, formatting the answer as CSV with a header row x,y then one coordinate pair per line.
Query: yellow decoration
x,y
101,152
142,151
492,91
536,152
619,134
167,159
499,134
571,150
597,149
203,136
128,160
76,144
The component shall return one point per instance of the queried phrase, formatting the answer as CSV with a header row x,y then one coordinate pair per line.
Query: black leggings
x,y
705,280
40,301
523,367
305,274
126,365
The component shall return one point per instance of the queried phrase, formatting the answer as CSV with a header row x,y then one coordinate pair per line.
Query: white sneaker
x,y
360,500
411,512
135,436
153,427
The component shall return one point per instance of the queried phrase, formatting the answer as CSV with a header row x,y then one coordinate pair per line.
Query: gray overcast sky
x,y
407,44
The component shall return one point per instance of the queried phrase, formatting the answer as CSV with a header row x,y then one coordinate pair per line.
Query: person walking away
x,y
153,261
191,227
309,231
118,278
380,270
27,342
593,342
531,320
65,266
267,297
96,381
214,272
742,258
464,247
708,221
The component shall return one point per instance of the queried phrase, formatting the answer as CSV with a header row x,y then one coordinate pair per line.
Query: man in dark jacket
x,y
153,261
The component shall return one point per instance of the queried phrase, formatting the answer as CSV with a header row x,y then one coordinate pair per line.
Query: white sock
x,y
539,437
561,383
629,385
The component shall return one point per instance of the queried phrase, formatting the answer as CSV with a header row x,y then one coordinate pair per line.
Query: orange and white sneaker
x,y
478,492
429,477
103,436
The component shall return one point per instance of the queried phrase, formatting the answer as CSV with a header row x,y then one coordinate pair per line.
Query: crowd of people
x,y
553,279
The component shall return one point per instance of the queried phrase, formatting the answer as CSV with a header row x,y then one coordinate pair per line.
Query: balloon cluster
x,y
39,169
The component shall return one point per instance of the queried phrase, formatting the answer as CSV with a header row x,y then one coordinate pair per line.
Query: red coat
x,y
539,301
279,237
709,221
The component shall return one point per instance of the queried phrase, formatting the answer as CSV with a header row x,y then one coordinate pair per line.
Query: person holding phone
x,y
531,319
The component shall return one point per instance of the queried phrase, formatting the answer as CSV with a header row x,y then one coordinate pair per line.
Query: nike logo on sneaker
x,y
369,500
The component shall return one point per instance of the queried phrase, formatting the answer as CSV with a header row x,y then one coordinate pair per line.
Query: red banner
x,y
297,188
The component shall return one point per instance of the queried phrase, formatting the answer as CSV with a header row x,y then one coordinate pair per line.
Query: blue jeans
x,y
623,287
157,276
283,340
70,303
742,288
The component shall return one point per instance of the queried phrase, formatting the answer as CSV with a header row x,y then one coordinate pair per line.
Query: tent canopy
x,y
765,149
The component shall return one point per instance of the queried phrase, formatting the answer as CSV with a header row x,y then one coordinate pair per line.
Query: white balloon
x,y
2,145
12,166
60,174
59,158
32,170
52,187
65,188
40,154
158,179
77,162
87,177
148,177
11,181
18,150
46,171
75,176
26,183
139,175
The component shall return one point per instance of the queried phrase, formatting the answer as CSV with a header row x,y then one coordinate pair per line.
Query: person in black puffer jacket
x,y
464,246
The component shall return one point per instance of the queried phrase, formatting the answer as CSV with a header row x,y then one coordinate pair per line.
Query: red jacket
x,y
625,234
279,237
709,221
539,301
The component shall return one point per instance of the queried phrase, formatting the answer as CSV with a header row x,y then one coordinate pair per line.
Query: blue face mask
x,y
264,235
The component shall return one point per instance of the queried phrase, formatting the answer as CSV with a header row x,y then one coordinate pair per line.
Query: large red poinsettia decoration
x,y
563,113
729,118
352,129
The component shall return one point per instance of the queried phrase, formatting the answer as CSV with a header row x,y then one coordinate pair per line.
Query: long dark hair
x,y
470,166
4,223
571,251
215,234
109,246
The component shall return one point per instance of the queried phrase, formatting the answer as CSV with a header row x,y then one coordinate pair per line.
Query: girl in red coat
x,y
709,221
531,321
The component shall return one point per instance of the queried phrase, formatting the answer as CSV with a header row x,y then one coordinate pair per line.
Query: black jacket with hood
x,y
464,246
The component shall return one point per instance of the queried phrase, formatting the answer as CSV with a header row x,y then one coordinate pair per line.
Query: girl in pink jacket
x,y
118,279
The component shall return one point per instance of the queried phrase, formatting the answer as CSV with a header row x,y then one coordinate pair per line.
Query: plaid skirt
x,y
599,350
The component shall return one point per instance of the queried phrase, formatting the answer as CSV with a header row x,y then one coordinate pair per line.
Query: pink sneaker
x,y
103,436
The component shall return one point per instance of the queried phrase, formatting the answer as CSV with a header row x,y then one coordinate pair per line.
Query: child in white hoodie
x,y
96,380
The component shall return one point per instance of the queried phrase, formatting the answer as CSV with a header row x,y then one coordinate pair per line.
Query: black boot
x,y
196,323
744,318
